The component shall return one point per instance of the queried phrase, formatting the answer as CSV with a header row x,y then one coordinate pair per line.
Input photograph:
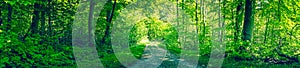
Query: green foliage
x,y
32,54
274,40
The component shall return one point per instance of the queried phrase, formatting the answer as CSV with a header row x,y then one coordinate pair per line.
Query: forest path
x,y
156,56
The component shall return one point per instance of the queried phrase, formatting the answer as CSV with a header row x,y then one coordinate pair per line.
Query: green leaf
x,y
11,2
5,59
17,58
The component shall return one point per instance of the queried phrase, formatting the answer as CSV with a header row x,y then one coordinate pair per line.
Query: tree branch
x,y
285,55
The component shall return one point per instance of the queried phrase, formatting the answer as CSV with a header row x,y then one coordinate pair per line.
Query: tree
x,y
1,18
33,28
203,15
109,17
90,22
248,21
49,9
43,18
35,19
8,24
238,20
1,15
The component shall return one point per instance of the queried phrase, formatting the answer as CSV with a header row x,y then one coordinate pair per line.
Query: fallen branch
x,y
295,59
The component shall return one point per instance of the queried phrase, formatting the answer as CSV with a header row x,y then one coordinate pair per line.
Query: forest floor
x,y
154,55
154,51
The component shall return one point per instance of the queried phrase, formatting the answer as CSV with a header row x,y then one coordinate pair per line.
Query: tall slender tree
x,y
196,16
238,20
109,17
43,18
1,14
204,18
49,9
35,19
1,9
33,29
90,22
248,21
9,15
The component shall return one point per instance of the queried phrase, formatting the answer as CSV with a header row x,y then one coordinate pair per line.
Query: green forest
x,y
150,33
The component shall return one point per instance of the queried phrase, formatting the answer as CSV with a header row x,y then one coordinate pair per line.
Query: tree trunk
x,y
90,22
1,15
35,19
278,9
43,21
221,23
266,31
177,12
238,20
1,18
110,14
49,18
148,27
183,20
203,14
34,25
196,15
292,31
248,21
105,41
8,25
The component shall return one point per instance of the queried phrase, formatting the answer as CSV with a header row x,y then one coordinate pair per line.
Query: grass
x,y
110,61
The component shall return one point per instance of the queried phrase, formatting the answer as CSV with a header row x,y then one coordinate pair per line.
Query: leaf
x,y
5,59
17,58
11,2
8,41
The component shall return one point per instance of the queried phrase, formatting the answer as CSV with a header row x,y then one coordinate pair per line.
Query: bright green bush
x,y
17,53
